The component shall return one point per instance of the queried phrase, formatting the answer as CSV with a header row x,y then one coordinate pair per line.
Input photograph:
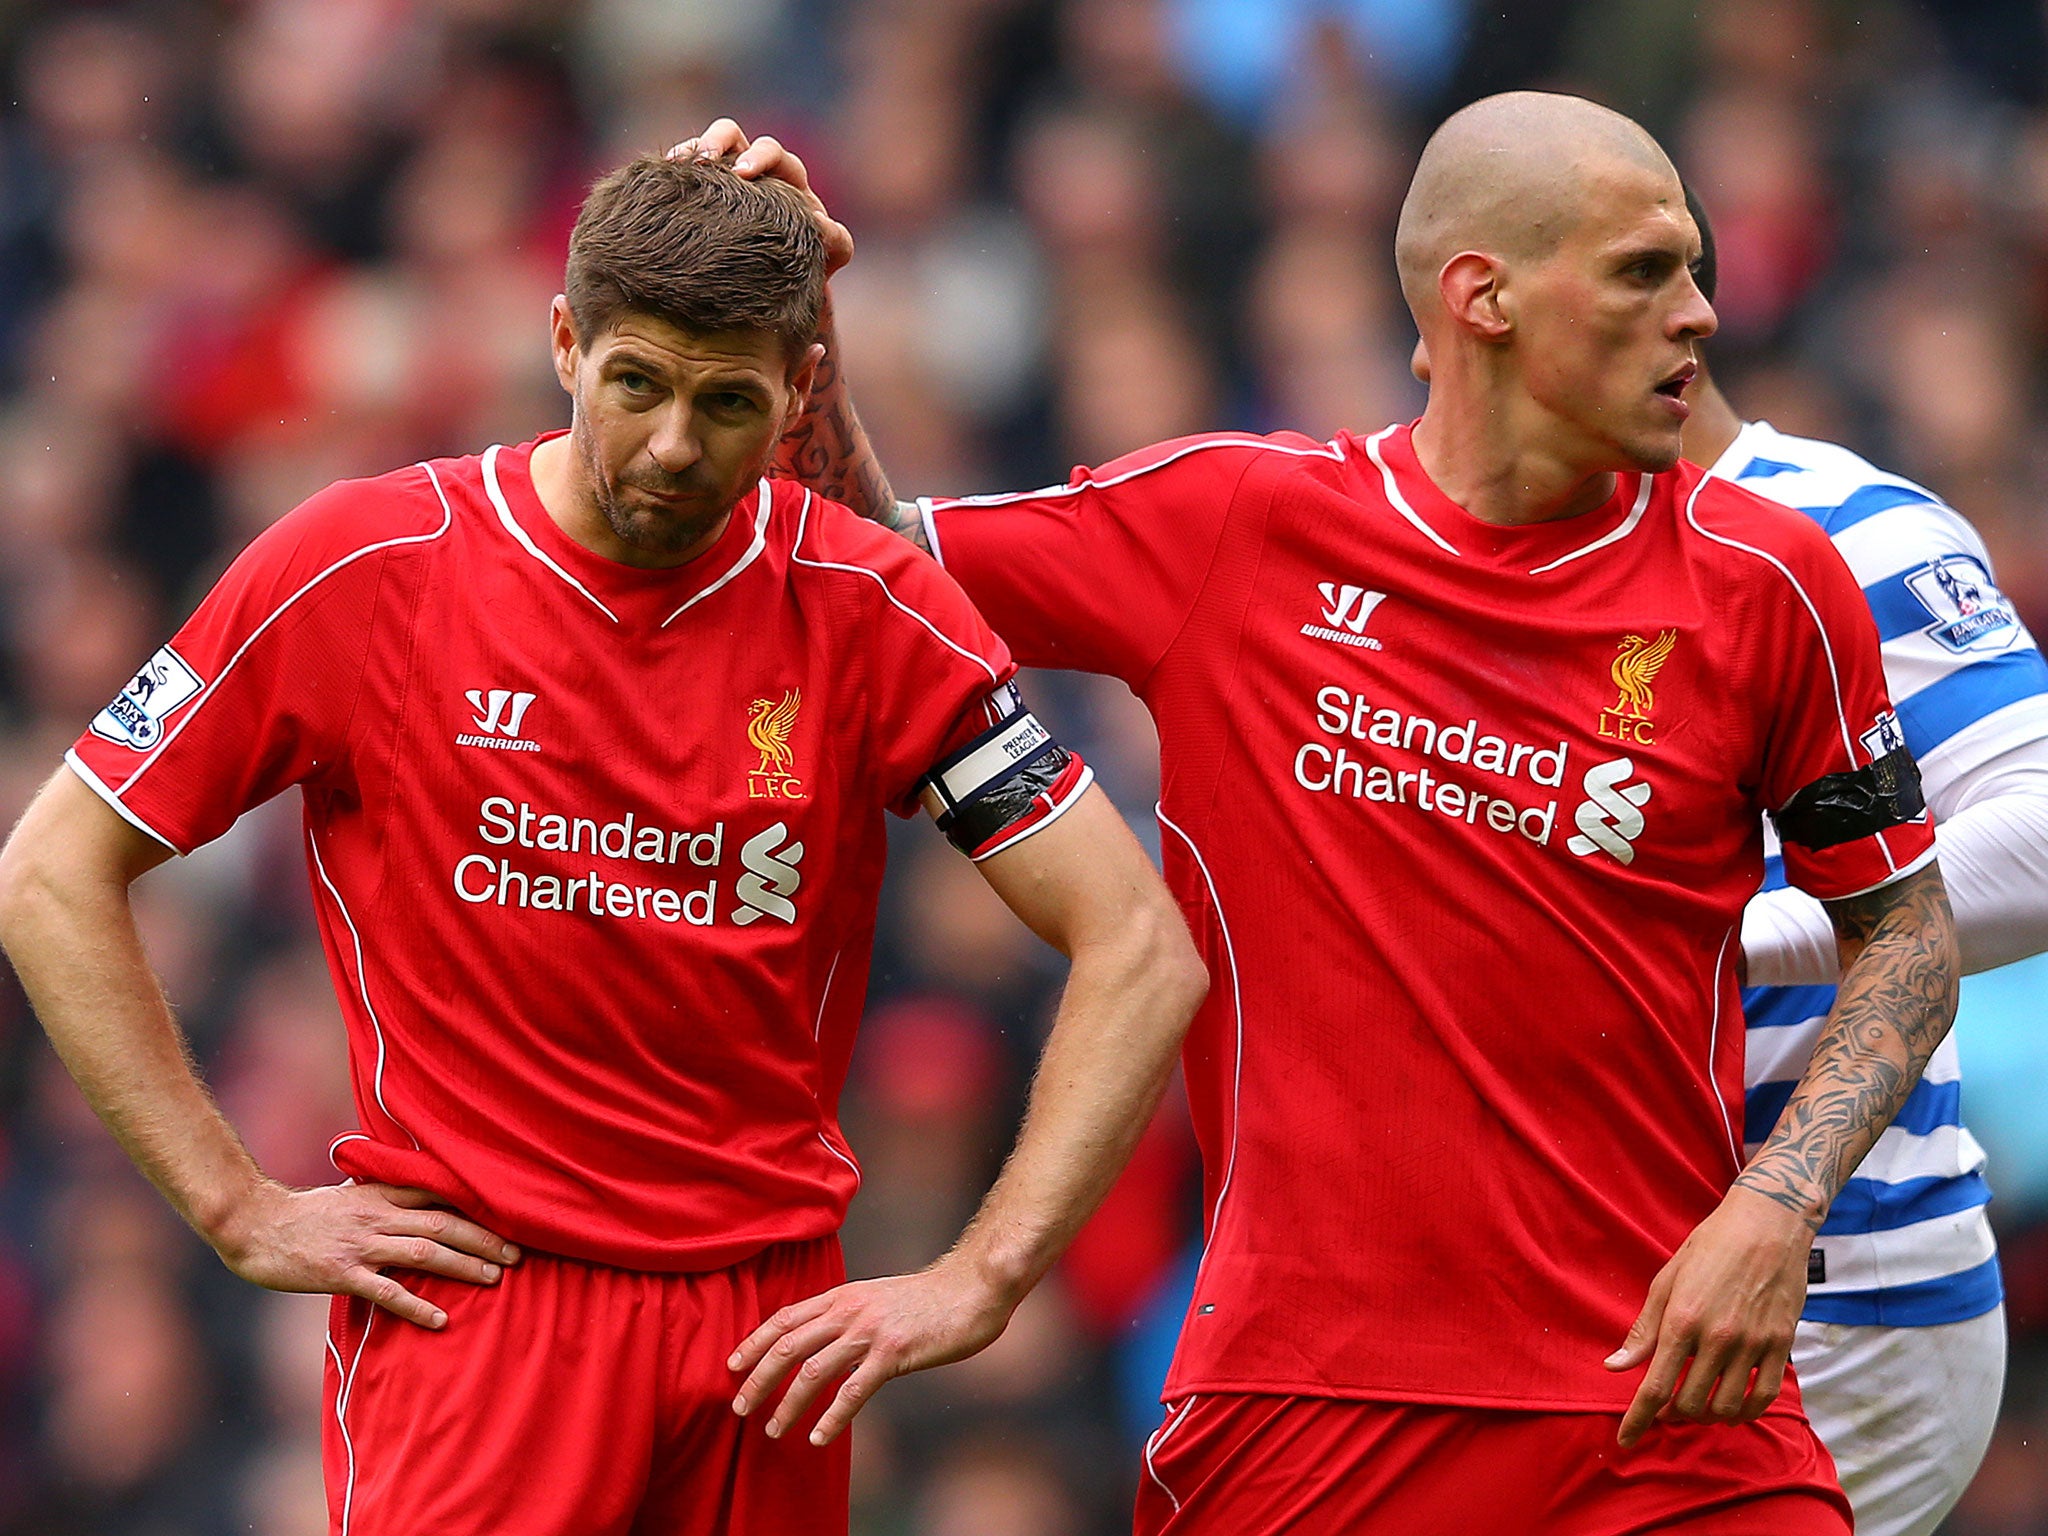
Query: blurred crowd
x,y
251,246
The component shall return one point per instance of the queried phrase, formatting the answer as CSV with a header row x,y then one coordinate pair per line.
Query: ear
x,y
1471,284
562,343
805,377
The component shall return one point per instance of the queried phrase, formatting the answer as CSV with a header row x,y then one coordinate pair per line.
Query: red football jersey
x,y
1463,818
595,850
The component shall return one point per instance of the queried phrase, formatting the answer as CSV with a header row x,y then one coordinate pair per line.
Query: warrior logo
x,y
500,716
769,724
771,878
1611,817
1633,670
1345,612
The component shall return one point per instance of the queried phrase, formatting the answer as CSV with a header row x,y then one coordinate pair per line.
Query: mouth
x,y
1673,386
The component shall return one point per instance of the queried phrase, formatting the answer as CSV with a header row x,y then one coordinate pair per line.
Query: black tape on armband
x,y
978,822
1845,806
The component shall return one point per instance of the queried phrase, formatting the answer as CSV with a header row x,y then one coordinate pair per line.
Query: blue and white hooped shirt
x,y
1907,1243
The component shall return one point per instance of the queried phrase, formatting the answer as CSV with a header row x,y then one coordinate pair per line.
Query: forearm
x,y
73,942
828,448
1111,1051
1896,1001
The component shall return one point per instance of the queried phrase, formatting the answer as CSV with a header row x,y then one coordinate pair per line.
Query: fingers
x,y
793,1348
852,1396
1657,1386
1642,1333
383,1291
448,1229
826,1365
756,1344
723,137
1769,1382
767,157
429,1257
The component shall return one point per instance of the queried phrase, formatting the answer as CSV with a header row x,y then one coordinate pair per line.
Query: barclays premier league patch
x,y
137,715
1970,614
1884,737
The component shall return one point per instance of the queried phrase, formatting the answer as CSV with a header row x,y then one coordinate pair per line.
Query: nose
x,y
1694,318
674,444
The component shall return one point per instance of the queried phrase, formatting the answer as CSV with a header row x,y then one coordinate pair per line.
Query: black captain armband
x,y
1005,784
1845,806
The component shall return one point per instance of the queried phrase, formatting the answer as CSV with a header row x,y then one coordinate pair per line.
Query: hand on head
x,y
766,156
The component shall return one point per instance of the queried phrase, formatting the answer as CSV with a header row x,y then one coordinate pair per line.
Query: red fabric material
x,y
573,1400
1221,1466
1470,1067
600,944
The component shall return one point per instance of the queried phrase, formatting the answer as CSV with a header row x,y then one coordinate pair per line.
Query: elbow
x,y
1167,961
19,888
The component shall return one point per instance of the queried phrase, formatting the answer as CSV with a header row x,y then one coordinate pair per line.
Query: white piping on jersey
x,y
1175,1417
99,787
1237,1063
1613,535
1073,799
1713,1048
753,553
497,494
803,523
199,703
1328,450
817,1028
344,1388
818,1024
1894,877
1400,502
1826,645
362,990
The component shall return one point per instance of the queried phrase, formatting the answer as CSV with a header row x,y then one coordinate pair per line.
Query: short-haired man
x,y
1901,1348
1467,731
595,736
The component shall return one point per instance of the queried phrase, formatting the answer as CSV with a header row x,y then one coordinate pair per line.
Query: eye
x,y
634,382
731,403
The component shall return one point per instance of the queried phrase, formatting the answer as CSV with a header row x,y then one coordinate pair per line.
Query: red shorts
x,y
573,1400
1250,1465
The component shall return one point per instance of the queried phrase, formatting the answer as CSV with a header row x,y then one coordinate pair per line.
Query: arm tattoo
x,y
828,451
1896,1002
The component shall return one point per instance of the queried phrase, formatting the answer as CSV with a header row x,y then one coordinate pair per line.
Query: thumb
x,y
1642,1334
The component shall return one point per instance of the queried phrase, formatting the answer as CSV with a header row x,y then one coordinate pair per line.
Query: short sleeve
x,y
1968,678
1100,574
255,691
1834,738
937,670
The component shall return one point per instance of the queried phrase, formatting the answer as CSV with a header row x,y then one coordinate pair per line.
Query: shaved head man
x,y
1545,249
1468,729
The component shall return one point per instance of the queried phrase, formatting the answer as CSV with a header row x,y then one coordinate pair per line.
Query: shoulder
x,y
824,533
1208,462
1881,522
1738,521
352,523
884,574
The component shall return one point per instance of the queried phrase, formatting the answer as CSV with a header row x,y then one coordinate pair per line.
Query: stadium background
x,y
250,246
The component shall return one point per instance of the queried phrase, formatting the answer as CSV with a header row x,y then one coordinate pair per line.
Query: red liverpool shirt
x,y
1463,818
595,850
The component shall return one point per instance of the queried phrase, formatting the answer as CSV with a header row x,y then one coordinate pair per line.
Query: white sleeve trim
x,y
99,787
1086,782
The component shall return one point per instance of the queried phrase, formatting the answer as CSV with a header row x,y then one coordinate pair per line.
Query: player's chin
x,y
1652,452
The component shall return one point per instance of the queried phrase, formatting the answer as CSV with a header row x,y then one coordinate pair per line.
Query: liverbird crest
x,y
769,723
1636,668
